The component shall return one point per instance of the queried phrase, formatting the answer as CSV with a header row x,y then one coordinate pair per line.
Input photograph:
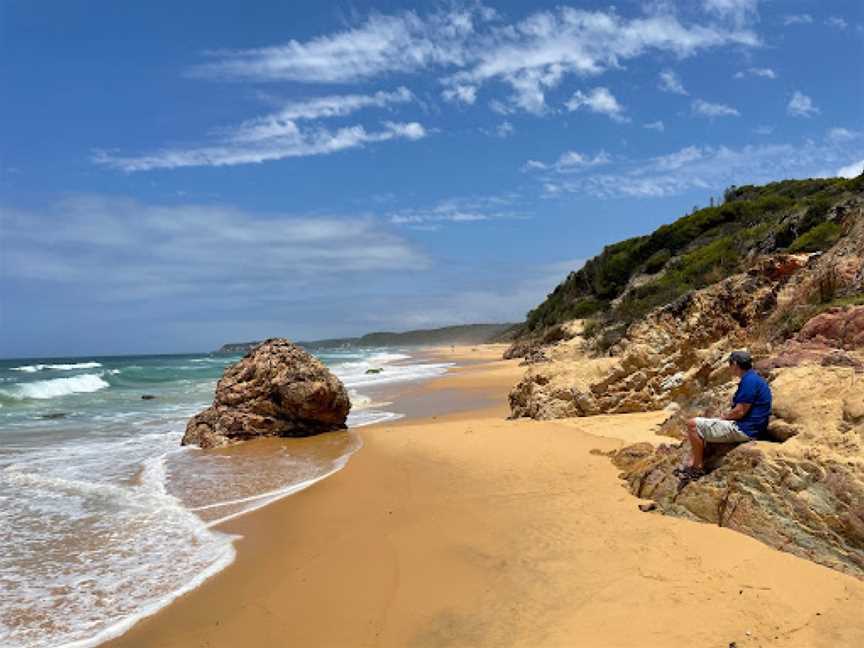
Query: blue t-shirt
x,y
755,391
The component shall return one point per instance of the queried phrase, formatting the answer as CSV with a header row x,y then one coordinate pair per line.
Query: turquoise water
x,y
104,518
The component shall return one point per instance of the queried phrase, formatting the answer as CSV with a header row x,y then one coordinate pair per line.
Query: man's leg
x,y
697,444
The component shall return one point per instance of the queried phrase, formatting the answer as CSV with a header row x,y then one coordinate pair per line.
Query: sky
x,y
174,176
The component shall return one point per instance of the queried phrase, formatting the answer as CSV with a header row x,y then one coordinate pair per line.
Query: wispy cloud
x,y
800,105
658,125
504,129
123,250
740,11
843,135
671,82
472,209
836,22
707,109
709,168
287,141
598,100
569,161
764,73
797,19
472,45
282,122
466,94
402,42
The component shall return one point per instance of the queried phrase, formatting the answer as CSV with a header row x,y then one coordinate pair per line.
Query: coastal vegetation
x,y
630,278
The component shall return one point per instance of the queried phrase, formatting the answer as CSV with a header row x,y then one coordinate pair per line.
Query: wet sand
x,y
465,529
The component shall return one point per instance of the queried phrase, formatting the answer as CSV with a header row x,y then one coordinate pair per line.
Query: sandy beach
x,y
457,527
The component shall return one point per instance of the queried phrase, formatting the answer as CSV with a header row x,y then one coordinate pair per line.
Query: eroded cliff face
x,y
679,350
801,488
278,389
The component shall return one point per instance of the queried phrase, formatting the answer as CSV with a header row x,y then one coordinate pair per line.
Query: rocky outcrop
x,y
839,327
674,352
805,495
278,389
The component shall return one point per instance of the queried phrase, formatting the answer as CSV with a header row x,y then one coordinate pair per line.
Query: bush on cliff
x,y
697,250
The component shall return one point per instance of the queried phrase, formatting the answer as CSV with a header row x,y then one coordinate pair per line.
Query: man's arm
x,y
738,412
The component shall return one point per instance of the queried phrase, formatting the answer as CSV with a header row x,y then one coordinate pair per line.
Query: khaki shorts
x,y
713,430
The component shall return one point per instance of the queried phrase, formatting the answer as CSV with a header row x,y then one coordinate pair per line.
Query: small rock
x,y
374,371
650,506
148,397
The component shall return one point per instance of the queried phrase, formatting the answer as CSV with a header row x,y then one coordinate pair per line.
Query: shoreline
x,y
454,526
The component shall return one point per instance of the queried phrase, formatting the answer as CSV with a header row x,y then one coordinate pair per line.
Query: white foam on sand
x,y
86,556
94,538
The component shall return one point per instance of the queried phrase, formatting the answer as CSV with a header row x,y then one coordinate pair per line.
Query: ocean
x,y
104,518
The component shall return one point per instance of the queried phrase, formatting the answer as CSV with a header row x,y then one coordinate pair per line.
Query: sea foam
x,y
57,367
55,387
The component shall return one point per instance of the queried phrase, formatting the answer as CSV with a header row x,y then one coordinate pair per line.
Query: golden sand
x,y
471,530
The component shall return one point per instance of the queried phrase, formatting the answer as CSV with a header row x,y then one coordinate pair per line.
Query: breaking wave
x,y
55,388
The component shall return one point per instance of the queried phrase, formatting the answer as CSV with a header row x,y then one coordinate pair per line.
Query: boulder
x,y
839,327
277,389
802,493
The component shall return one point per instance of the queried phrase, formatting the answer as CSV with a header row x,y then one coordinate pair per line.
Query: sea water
x,y
104,518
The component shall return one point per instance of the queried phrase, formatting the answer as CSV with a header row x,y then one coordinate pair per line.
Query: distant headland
x,y
460,334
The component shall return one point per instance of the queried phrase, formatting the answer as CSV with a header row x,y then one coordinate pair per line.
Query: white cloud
x,y
843,135
287,141
658,125
764,129
458,210
800,105
504,129
765,73
569,161
709,169
402,42
708,109
599,100
530,56
123,249
409,130
836,22
466,94
851,170
282,123
671,82
740,11
797,19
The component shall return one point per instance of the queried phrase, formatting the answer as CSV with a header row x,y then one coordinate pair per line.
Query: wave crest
x,y
57,367
56,387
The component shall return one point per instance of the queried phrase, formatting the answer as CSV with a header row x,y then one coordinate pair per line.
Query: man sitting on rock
x,y
751,409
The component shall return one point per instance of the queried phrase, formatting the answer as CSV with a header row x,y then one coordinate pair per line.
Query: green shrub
x,y
656,261
820,237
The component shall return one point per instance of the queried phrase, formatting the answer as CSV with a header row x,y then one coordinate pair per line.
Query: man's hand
x,y
738,412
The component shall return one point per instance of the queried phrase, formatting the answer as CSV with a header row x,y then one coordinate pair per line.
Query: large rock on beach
x,y
277,389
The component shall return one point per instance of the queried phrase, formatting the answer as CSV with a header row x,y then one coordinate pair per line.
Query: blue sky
x,y
178,175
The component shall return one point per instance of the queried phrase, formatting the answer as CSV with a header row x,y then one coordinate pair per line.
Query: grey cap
x,y
741,358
